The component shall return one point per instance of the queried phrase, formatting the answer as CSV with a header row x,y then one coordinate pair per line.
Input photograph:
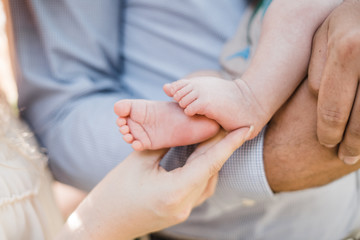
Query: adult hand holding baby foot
x,y
128,210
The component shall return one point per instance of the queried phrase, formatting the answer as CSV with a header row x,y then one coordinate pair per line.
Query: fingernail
x,y
250,132
351,160
329,145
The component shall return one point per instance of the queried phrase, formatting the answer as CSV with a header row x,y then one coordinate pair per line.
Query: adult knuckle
x,y
159,208
348,45
182,215
316,36
172,207
171,201
167,206
313,86
214,168
354,131
171,211
351,150
196,184
332,117
210,192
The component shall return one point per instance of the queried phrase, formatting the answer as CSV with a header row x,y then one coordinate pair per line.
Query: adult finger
x,y
318,58
209,190
336,97
209,158
340,76
196,178
146,159
349,150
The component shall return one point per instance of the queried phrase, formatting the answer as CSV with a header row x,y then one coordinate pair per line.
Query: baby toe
x,y
137,145
128,138
123,107
121,121
124,129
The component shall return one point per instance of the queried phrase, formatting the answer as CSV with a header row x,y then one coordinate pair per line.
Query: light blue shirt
x,y
76,58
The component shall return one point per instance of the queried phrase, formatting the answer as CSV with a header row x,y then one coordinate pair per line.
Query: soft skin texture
x,y
335,71
279,65
281,59
155,125
231,103
302,162
116,210
60,130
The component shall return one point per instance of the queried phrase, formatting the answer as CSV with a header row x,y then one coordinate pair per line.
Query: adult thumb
x,y
211,155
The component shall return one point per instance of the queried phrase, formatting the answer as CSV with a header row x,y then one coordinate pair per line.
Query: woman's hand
x,y
139,196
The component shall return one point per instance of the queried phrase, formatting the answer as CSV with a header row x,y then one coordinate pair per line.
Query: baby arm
x,y
281,59
286,38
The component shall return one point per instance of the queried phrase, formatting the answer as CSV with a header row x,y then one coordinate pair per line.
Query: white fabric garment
x,y
27,207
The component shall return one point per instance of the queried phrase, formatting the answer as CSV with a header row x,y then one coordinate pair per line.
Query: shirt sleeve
x,y
242,176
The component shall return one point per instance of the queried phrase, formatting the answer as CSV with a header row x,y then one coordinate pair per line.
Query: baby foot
x,y
230,103
155,125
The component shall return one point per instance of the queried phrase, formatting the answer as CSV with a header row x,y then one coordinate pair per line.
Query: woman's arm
x,y
139,196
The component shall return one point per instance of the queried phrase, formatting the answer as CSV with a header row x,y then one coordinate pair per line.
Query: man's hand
x,y
293,157
334,74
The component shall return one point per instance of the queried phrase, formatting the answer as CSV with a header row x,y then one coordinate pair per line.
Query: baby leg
x,y
155,125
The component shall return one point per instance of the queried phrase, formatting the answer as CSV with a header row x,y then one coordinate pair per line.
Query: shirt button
x,y
248,202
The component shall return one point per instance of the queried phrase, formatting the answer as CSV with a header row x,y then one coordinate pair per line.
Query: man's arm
x,y
293,157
